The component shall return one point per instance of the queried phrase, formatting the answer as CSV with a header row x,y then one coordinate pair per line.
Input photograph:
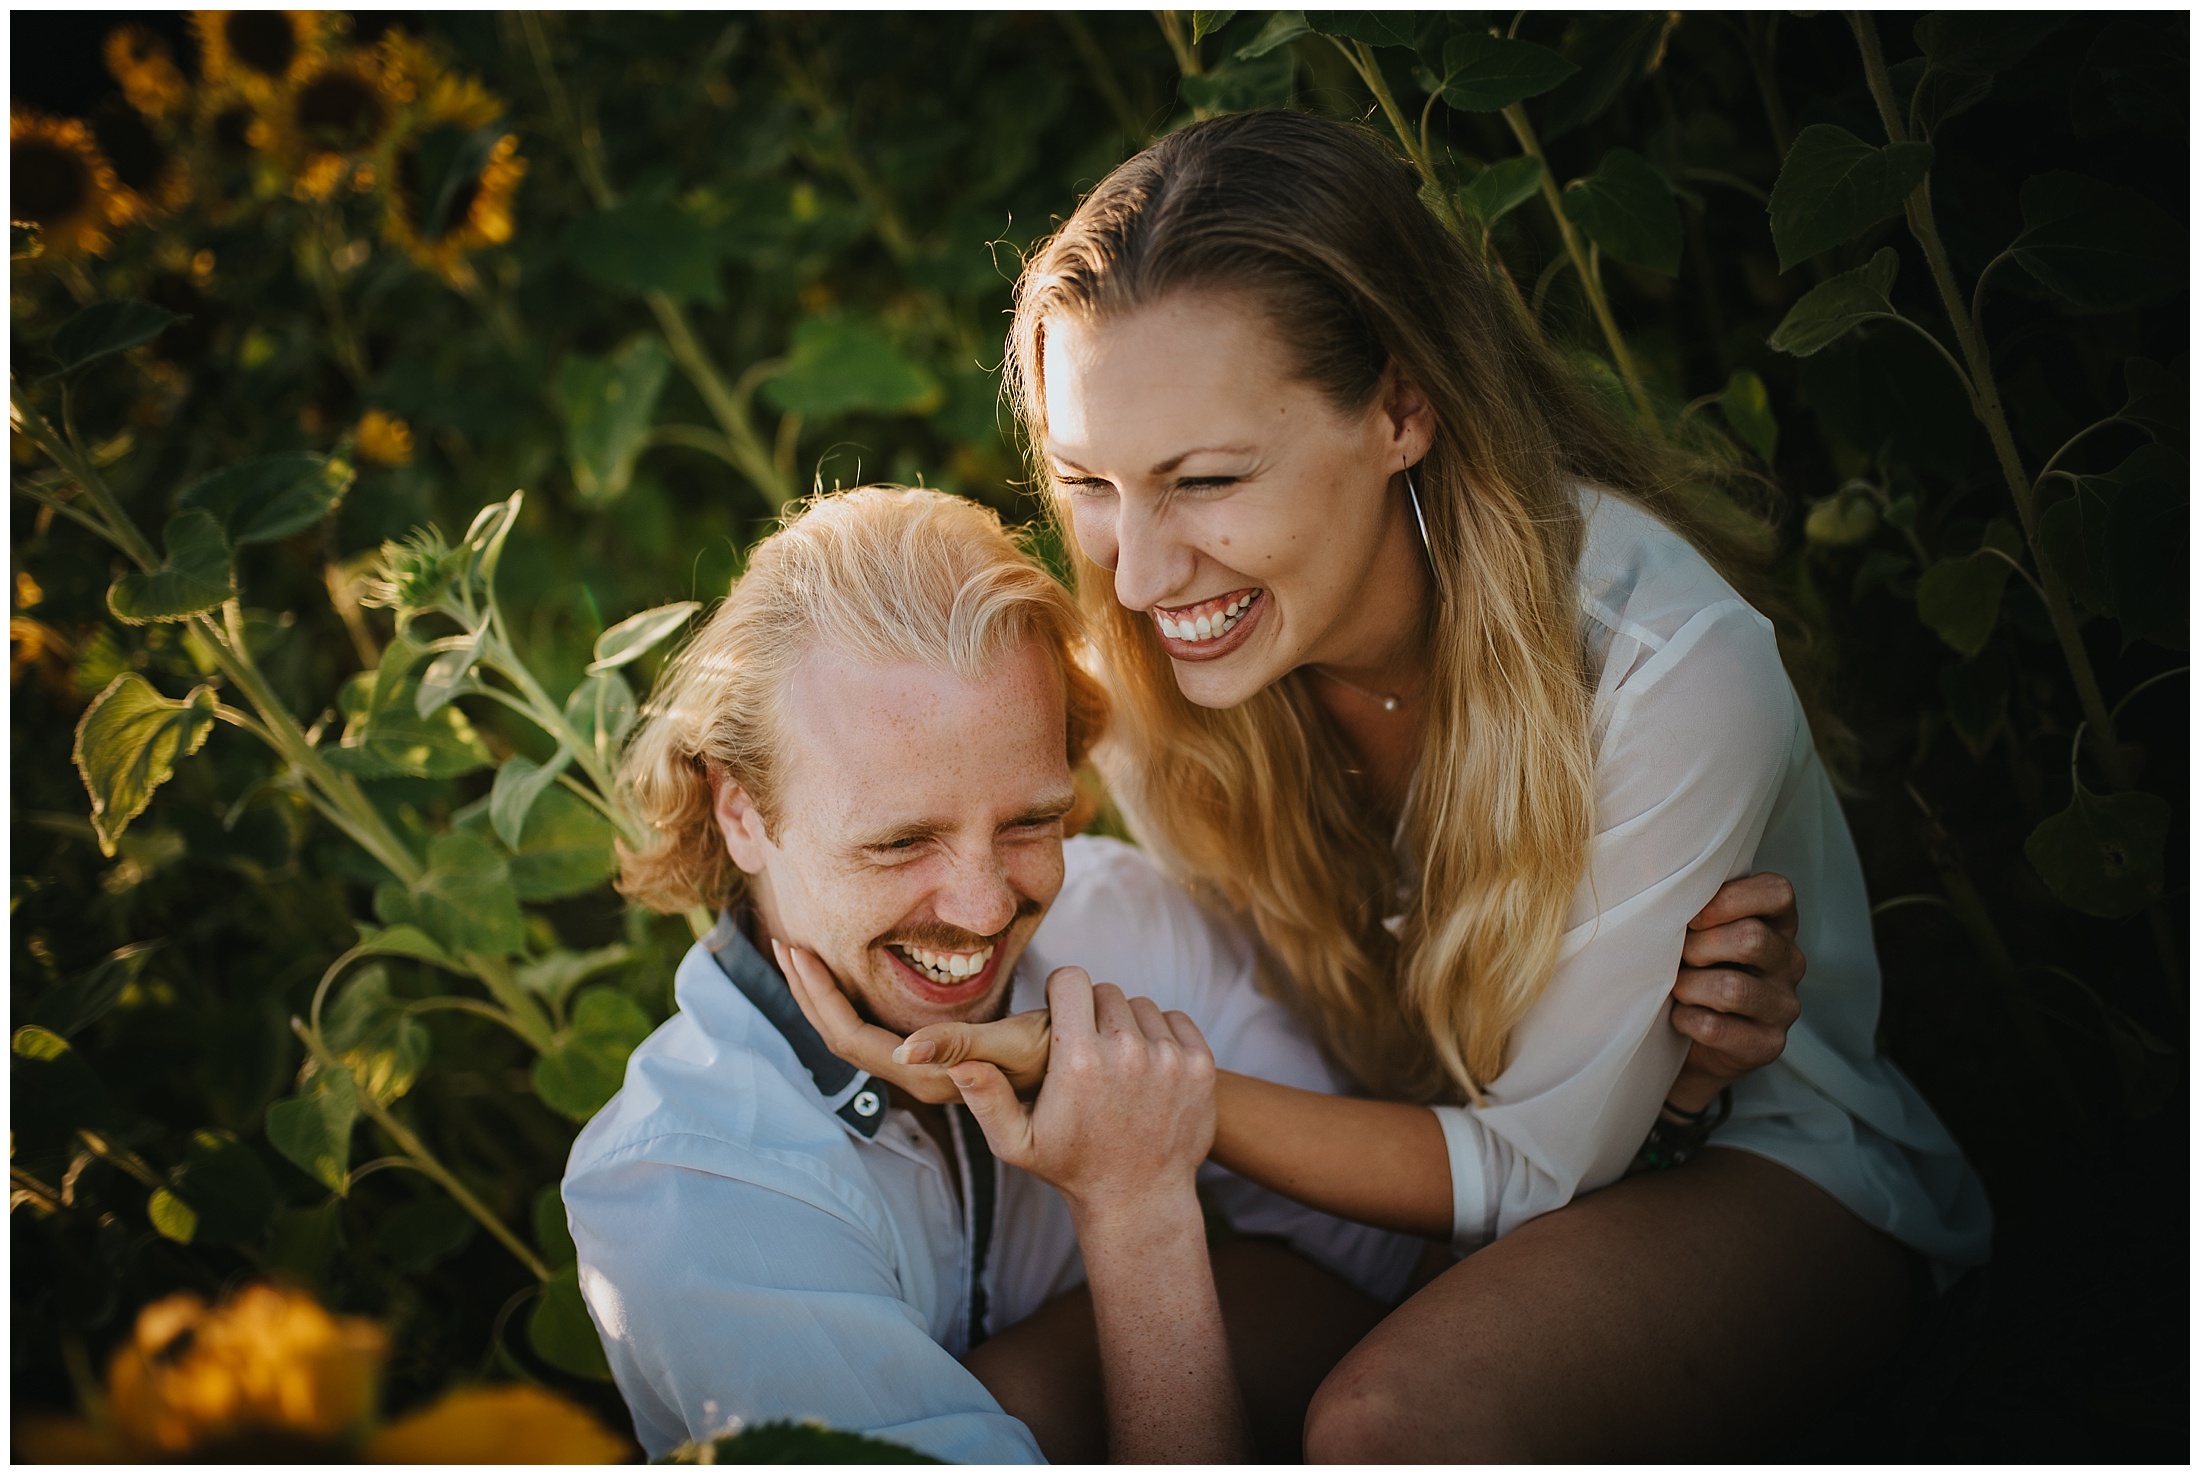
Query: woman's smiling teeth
x,y
944,967
1198,622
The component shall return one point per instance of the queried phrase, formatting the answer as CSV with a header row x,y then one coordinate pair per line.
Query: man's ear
x,y
741,823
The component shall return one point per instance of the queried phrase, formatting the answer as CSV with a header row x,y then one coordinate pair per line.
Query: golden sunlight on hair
x,y
885,575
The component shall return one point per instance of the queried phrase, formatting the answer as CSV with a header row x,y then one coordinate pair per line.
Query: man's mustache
x,y
941,938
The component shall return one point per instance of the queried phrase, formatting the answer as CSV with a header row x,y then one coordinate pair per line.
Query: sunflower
x,y
62,184
452,180
341,109
150,79
258,50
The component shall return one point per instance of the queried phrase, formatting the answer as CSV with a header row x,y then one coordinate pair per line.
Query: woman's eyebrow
x,y
1163,468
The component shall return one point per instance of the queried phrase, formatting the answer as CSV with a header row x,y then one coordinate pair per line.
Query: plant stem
x,y
120,529
365,823
1599,304
1986,398
427,1161
527,1019
728,408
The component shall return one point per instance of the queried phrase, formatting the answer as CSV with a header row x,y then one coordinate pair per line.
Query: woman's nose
x,y
1151,564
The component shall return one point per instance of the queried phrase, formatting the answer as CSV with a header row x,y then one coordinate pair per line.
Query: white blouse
x,y
1705,772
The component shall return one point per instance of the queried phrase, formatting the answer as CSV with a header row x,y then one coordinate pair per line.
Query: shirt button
x,y
866,1103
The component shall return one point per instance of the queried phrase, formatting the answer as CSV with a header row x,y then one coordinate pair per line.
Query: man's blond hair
x,y
883,575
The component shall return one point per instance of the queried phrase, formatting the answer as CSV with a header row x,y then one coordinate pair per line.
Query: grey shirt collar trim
x,y
850,1094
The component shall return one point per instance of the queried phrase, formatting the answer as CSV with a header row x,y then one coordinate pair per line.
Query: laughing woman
x,y
1424,664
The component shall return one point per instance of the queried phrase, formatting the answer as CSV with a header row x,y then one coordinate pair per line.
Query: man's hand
x,y
1018,1043
1122,1124
1736,993
1127,1113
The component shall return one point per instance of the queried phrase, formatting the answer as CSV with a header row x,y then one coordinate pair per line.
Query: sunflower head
x,y
62,184
452,194
257,50
340,110
267,1367
150,78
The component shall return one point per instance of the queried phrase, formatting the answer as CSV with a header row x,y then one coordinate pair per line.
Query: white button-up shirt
x,y
1705,771
762,1237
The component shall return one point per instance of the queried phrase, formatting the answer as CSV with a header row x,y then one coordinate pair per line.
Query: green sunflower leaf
x,y
1960,598
383,1046
1485,73
196,576
1834,187
586,1065
608,404
836,365
313,1128
1830,310
127,745
104,328
465,899
1502,188
272,497
2103,855
1627,208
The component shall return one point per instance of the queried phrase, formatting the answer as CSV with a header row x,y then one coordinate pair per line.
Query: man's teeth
x,y
1206,627
945,967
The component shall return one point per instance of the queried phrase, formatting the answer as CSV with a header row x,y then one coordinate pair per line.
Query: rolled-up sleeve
x,y
1699,745
717,1297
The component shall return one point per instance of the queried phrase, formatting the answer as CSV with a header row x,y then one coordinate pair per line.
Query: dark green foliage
x,y
755,254
787,1443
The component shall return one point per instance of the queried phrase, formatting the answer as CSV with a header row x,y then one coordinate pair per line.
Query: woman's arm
x,y
1374,1162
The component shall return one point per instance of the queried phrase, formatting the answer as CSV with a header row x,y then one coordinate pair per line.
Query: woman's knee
x,y
1371,1410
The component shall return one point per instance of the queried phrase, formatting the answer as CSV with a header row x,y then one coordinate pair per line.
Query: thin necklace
x,y
1388,704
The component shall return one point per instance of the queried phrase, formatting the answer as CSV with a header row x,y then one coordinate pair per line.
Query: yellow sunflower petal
x,y
512,1424
61,183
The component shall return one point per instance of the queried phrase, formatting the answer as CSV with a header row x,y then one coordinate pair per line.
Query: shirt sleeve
x,y
720,1300
1701,738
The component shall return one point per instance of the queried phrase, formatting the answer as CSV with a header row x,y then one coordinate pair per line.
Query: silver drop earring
x,y
1413,494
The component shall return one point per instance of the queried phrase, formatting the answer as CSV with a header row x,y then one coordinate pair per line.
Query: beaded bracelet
x,y
1673,1142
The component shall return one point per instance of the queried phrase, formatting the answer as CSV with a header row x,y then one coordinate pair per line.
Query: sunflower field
x,y
389,392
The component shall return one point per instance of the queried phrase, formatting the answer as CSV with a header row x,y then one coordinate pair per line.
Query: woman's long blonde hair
x,y
1322,228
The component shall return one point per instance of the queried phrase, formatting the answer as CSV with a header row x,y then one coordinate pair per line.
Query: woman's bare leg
x,y
1694,1313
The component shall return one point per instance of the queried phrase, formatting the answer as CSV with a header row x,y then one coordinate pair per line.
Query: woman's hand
x,y
1736,994
1018,1044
